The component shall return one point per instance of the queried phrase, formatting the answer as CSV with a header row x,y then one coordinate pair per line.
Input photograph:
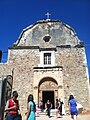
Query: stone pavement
x,y
66,117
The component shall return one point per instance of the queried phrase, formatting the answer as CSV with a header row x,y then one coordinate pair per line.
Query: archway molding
x,y
50,77
48,90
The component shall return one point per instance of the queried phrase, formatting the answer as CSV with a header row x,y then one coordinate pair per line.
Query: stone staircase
x,y
53,112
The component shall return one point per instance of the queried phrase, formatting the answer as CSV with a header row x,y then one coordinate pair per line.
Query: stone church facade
x,y
49,61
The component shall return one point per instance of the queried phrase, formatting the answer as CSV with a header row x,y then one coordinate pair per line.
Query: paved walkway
x,y
67,117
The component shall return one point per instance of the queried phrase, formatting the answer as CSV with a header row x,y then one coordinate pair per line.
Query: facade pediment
x,y
49,33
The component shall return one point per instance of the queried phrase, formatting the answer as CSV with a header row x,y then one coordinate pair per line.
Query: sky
x,y
16,15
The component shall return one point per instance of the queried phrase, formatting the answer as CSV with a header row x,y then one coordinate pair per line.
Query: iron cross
x,y
48,15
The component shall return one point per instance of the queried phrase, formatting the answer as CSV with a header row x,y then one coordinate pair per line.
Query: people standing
x,y
12,107
31,108
57,108
63,109
49,105
60,106
41,105
37,110
73,107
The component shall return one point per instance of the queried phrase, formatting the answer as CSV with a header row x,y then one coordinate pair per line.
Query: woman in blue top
x,y
73,107
31,108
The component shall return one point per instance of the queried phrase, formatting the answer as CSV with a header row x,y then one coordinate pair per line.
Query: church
x,y
49,61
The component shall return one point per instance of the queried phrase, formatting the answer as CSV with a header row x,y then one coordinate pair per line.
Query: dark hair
x,y
15,94
56,100
71,97
30,98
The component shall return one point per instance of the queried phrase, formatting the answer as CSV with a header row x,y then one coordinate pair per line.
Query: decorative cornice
x,y
48,67
24,47
47,49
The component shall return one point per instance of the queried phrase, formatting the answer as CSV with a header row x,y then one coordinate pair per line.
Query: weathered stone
x,y
67,74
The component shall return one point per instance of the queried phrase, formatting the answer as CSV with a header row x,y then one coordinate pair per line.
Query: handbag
x,y
19,115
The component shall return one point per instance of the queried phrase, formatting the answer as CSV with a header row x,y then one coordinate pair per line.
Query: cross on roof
x,y
48,15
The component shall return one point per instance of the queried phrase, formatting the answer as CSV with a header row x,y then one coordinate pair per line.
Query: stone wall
x,y
24,57
75,75
73,62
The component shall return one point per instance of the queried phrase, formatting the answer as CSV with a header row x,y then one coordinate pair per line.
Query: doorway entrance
x,y
48,95
48,90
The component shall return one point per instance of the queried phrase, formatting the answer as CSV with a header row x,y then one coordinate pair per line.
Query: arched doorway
x,y
48,90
